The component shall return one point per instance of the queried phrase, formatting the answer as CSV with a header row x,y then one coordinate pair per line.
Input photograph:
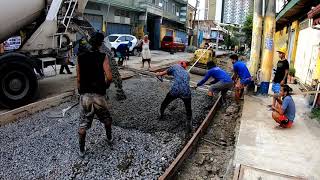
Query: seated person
x,y
284,111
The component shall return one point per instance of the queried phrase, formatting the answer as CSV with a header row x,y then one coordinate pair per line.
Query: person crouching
x,y
284,111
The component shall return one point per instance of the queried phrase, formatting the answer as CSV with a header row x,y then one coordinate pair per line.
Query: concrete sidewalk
x,y
262,145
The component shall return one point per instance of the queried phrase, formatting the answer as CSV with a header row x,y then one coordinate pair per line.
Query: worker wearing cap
x,y
180,89
222,80
241,76
93,78
280,77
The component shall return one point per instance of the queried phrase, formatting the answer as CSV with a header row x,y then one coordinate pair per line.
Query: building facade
x,y
156,18
235,11
298,30
191,11
210,9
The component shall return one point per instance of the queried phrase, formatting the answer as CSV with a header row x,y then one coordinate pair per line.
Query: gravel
x,y
39,147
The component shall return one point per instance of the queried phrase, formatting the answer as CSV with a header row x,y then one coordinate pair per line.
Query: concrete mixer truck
x,y
44,26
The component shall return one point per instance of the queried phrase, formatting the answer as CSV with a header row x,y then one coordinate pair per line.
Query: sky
x,y
202,8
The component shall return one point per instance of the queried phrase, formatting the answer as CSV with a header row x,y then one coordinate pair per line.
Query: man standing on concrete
x,y
280,77
93,78
222,81
241,76
180,89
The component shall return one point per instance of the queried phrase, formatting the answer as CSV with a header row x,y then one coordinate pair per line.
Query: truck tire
x,y
18,84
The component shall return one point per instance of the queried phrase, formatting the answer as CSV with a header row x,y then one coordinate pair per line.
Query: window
x,y
129,38
173,10
177,11
112,38
122,39
153,1
165,5
93,6
122,13
167,39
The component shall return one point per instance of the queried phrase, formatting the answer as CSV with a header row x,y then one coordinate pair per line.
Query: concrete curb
x,y
15,114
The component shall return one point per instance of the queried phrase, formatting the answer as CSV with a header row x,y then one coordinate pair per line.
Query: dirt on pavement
x,y
212,159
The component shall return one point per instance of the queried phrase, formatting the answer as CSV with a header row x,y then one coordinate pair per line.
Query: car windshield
x,y
167,39
112,38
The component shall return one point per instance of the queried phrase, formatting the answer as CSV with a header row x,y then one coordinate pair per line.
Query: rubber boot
x,y
189,125
120,95
109,133
82,144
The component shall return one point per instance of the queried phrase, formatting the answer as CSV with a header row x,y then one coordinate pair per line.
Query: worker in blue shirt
x,y
241,76
222,81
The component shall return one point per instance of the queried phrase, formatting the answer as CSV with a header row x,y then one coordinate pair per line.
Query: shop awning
x,y
315,15
294,10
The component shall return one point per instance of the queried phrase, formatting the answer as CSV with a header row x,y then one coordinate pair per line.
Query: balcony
x,y
171,16
126,4
293,10
182,1
150,7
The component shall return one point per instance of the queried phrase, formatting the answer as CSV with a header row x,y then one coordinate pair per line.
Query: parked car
x,y
171,43
117,39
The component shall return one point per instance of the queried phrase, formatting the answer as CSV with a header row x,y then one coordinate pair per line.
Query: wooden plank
x,y
32,108
251,173
174,166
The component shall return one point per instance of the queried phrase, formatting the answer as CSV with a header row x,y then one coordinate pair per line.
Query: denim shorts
x,y
246,81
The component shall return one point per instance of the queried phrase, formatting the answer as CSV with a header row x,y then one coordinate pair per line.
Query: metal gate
x,y
183,36
113,28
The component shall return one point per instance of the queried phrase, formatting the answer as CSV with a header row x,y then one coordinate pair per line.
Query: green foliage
x,y
247,28
292,71
315,114
232,38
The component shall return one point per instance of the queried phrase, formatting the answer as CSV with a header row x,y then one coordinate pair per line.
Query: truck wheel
x,y
18,84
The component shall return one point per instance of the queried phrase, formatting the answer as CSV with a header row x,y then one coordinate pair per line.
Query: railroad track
x,y
127,147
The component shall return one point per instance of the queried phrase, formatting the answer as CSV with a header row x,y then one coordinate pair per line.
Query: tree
x,y
247,28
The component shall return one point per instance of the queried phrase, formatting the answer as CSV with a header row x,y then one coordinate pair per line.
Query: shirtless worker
x,y
180,89
93,78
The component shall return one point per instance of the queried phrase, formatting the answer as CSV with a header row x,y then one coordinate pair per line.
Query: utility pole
x,y
268,46
217,38
194,20
256,37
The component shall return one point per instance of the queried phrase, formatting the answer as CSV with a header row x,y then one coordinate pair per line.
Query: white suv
x,y
117,39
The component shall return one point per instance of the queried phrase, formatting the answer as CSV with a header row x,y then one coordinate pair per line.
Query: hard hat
x,y
183,64
282,50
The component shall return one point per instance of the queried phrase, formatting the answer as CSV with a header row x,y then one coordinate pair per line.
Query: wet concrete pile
x,y
38,147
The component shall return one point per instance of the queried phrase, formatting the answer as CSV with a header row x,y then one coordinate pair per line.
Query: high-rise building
x,y
235,11
210,9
